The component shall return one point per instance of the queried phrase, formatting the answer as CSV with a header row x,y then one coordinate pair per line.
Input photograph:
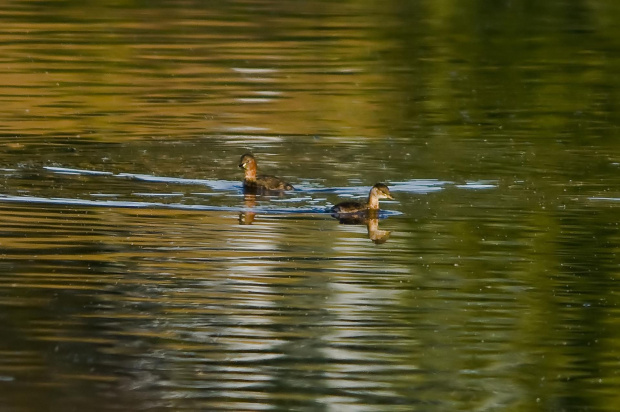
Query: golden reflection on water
x,y
147,284
93,77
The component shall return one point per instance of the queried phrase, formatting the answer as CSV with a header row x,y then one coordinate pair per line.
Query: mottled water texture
x,y
136,274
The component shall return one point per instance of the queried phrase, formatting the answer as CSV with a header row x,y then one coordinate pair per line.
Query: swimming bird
x,y
252,182
378,191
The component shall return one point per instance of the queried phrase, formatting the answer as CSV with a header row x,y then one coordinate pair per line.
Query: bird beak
x,y
242,165
389,196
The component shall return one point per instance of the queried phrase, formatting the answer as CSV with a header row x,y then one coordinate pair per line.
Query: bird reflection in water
x,y
250,196
368,218
247,217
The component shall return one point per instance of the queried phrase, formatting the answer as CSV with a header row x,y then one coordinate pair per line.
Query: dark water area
x,y
135,274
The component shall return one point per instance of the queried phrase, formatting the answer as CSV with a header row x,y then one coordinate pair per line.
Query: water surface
x,y
136,275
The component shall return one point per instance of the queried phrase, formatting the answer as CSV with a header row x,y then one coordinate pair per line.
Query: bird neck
x,y
373,201
250,173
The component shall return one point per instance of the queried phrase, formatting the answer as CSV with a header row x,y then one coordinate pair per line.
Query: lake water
x,y
136,275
